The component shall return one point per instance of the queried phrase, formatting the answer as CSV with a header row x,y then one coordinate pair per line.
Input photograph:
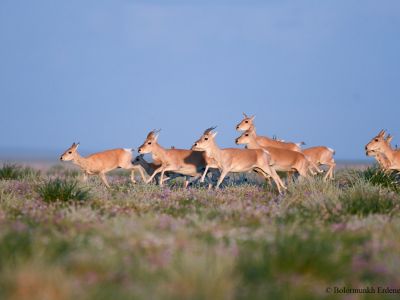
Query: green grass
x,y
364,199
14,172
376,176
241,242
62,190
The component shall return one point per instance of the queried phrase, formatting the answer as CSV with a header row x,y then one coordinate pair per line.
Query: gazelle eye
x,y
376,140
246,121
246,134
149,143
70,152
206,139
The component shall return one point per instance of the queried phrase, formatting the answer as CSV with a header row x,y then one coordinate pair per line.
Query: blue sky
x,y
106,72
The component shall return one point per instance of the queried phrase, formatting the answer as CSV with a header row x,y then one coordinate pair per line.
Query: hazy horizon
x,y
106,72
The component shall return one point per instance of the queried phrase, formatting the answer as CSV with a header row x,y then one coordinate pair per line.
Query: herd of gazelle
x,y
261,154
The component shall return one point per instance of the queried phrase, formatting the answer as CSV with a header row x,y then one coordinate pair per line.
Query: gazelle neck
x,y
213,151
252,128
159,153
80,161
389,153
253,144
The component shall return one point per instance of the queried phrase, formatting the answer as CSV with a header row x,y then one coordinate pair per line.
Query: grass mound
x,y
376,176
364,198
14,172
55,190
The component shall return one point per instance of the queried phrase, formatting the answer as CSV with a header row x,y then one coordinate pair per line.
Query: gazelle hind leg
x,y
265,175
310,169
333,169
275,177
316,167
329,174
303,171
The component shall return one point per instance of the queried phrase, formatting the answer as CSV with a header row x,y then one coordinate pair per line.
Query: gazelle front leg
x,y
221,178
189,180
141,173
162,177
133,176
276,178
204,174
85,177
154,174
104,179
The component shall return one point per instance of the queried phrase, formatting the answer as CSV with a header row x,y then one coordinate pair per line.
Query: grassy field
x,y
62,239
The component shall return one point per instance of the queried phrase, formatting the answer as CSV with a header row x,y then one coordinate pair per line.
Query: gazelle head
x,y
151,140
245,138
138,160
246,123
70,153
205,141
377,144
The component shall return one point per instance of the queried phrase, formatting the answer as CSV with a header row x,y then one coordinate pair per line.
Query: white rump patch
x,y
128,150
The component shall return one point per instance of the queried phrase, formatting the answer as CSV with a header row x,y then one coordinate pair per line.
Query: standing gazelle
x,y
381,146
247,124
102,162
237,160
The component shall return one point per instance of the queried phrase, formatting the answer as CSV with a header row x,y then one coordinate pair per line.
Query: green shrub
x,y
376,176
62,190
363,199
14,171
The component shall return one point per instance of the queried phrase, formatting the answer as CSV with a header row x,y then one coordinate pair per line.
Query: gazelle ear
x,y
244,115
381,133
252,118
214,134
77,145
